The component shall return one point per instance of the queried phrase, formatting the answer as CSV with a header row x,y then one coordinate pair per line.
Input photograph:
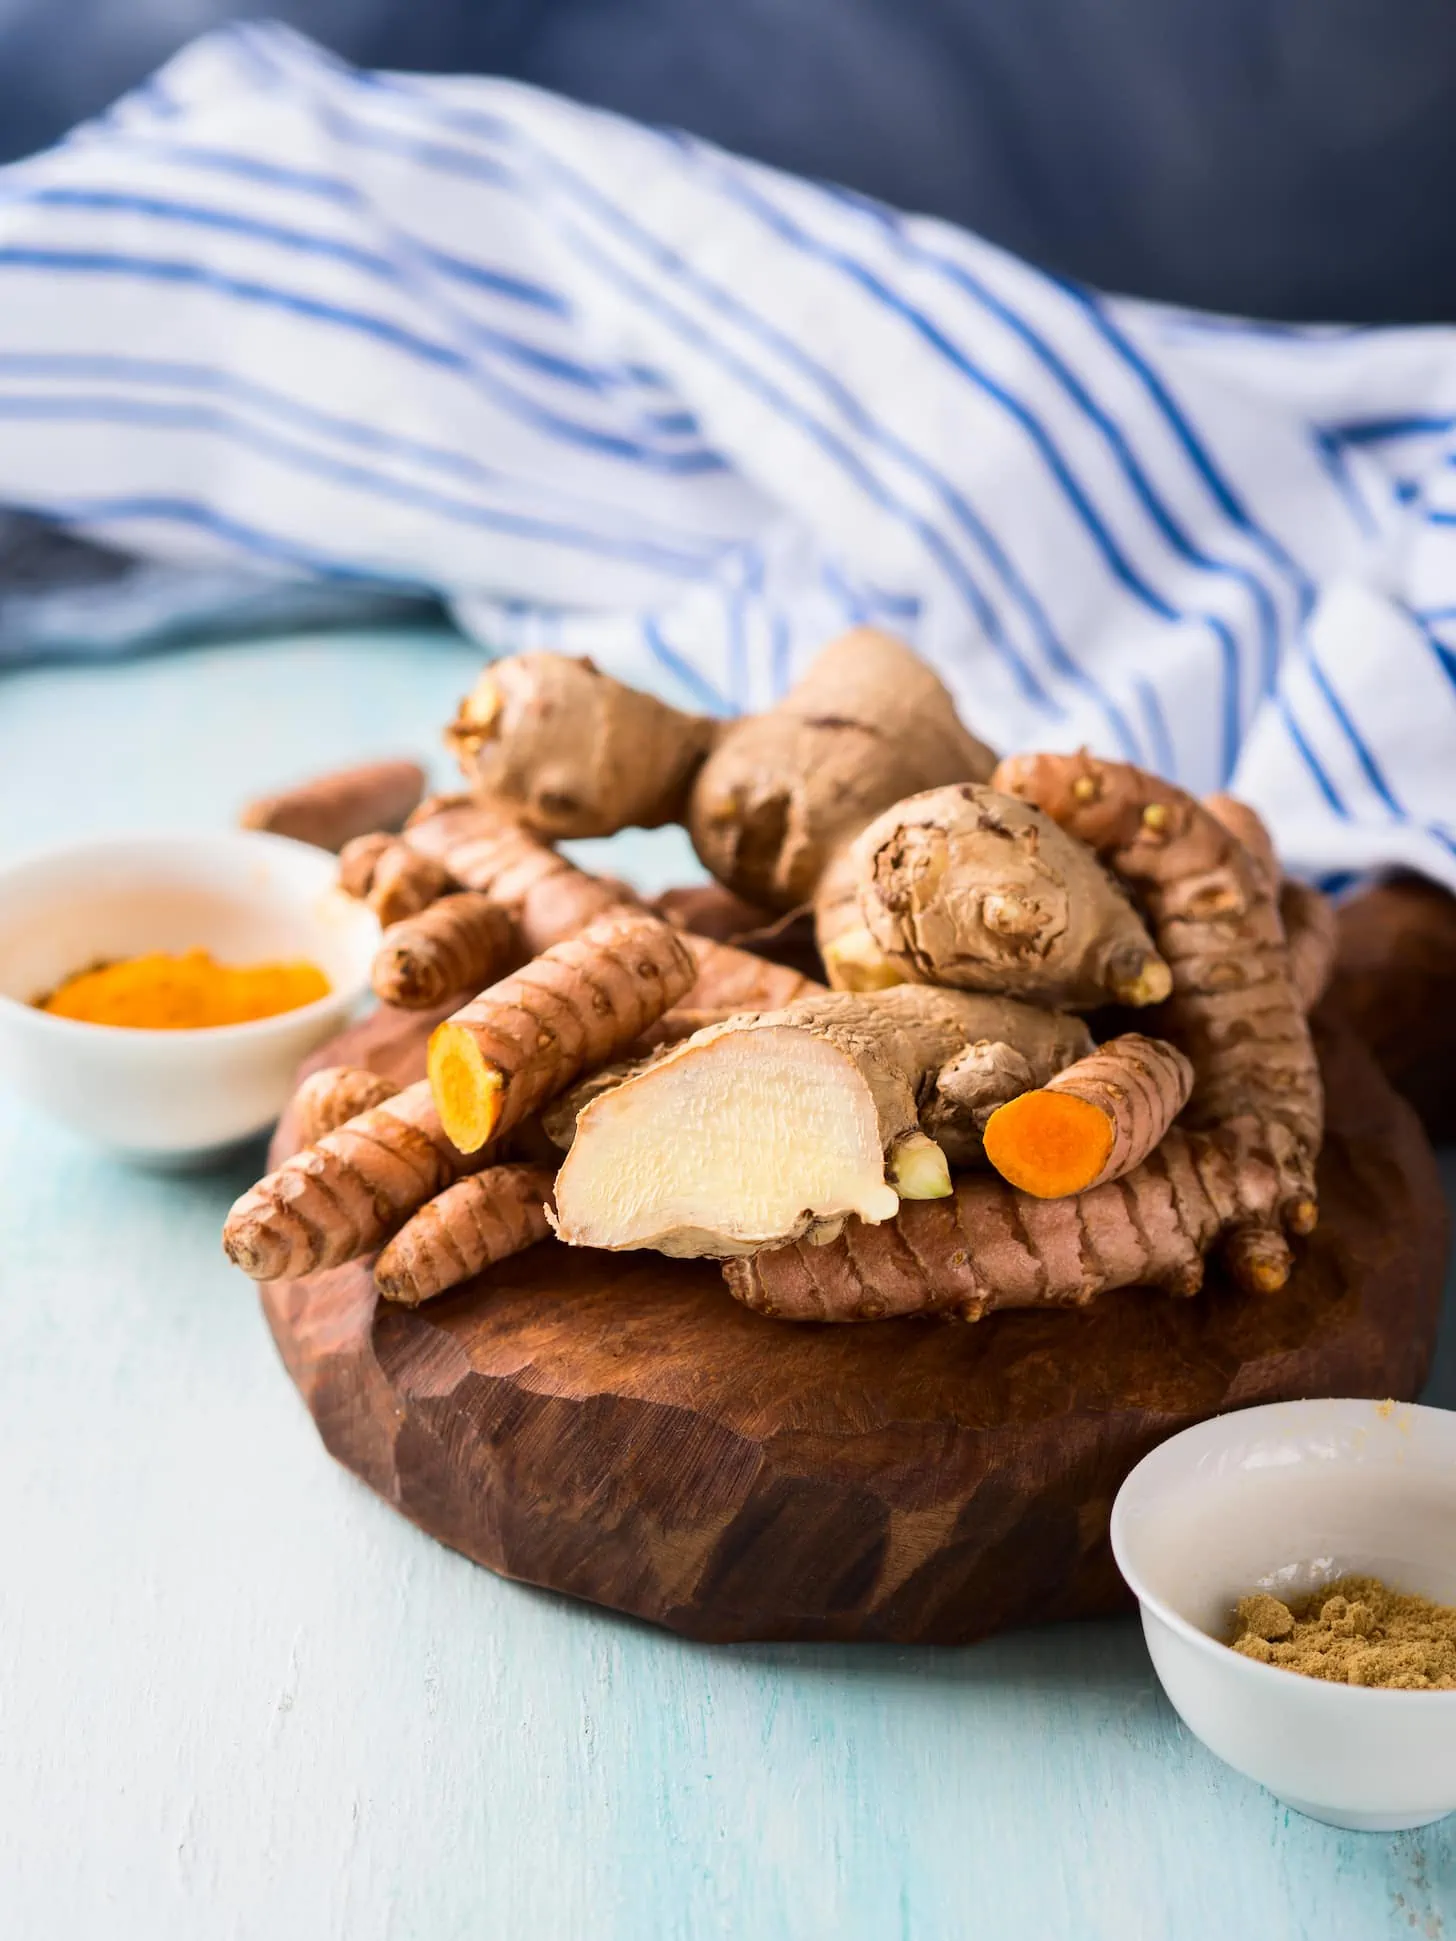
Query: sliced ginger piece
x,y
768,1129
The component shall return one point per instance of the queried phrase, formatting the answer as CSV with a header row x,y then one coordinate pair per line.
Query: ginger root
x,y
333,1095
331,809
456,943
1234,1010
1093,1122
469,1227
573,752
393,879
966,886
770,1128
989,1246
575,1006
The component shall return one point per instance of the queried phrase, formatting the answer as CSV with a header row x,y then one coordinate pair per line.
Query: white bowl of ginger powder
x,y
261,905
1280,1503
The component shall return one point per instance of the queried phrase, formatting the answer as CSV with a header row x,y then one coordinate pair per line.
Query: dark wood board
x,y
617,1428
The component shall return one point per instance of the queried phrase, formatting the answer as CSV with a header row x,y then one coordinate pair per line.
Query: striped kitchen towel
x,y
610,389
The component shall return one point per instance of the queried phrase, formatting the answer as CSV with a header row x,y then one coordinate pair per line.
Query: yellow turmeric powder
x,y
159,992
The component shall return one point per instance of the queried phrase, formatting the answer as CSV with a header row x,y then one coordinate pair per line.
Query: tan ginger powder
x,y
1353,1632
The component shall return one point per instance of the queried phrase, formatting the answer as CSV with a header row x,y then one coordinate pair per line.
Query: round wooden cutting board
x,y
615,1426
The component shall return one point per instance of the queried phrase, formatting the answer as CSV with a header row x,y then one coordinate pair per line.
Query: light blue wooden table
x,y
240,1698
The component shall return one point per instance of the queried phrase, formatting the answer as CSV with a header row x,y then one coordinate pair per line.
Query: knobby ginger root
x,y
393,879
348,1192
765,1129
469,1227
573,752
966,886
332,1096
989,1246
331,809
781,792
577,1005
1234,1010
1014,1048
457,943
1093,1122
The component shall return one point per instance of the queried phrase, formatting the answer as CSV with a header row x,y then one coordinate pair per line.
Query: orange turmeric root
x,y
393,879
1234,1009
469,1227
457,943
550,899
1093,1122
1308,916
331,809
347,1193
577,1005
332,1096
988,1246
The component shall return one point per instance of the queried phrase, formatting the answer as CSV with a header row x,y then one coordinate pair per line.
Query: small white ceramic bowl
x,y
1284,1499
171,1097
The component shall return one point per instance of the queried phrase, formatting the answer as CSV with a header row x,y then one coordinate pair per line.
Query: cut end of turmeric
x,y
468,1090
1048,1144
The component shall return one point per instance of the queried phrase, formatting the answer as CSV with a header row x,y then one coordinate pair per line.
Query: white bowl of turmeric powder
x,y
1246,1531
158,992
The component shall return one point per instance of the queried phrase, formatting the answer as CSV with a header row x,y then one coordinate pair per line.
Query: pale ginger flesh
x,y
968,887
766,1129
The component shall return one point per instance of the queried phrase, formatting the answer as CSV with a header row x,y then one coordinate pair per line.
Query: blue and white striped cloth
x,y
613,390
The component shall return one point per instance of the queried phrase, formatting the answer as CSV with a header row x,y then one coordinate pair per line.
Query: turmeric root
x,y
710,910
550,899
1308,915
393,879
483,848
347,1193
469,1227
335,1094
573,752
766,1129
989,1246
457,943
968,887
1234,1010
576,1005
1311,934
1093,1122
330,809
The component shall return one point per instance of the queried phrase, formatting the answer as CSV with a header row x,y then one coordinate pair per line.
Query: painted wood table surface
x,y
241,1698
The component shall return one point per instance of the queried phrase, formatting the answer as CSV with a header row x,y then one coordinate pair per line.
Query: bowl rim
x,y
221,1035
1222,1654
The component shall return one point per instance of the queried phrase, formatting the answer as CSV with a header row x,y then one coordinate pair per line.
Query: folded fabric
x,y
609,389
65,598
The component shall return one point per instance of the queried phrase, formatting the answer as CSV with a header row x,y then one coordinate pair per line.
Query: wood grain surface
x,y
616,1427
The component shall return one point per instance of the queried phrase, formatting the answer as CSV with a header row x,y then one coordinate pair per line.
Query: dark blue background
x,y
1282,157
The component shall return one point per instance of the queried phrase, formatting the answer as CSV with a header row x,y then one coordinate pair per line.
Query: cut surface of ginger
x,y
726,1147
